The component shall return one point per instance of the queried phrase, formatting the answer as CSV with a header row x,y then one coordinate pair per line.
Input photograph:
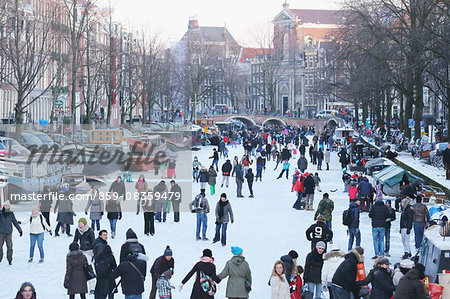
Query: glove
x,y
180,287
408,231
217,222
20,222
20,234
232,220
85,213
102,213
120,217
66,285
50,232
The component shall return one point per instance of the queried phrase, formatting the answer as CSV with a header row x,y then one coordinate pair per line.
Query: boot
x,y
307,207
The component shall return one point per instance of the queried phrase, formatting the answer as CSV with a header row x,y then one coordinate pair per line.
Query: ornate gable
x,y
284,16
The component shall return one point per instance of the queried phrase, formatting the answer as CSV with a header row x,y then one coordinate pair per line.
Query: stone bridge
x,y
263,120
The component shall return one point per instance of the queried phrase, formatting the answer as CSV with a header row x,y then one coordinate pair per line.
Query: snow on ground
x,y
266,227
428,170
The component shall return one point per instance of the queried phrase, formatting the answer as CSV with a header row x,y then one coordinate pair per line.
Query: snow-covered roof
x,y
436,239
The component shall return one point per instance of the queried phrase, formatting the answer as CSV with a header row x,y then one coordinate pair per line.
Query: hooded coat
x,y
331,261
65,211
105,263
288,262
212,174
379,212
131,241
325,208
132,282
410,286
75,277
345,275
382,286
7,220
302,163
226,168
238,272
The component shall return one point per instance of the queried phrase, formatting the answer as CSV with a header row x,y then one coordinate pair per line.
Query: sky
x,y
169,18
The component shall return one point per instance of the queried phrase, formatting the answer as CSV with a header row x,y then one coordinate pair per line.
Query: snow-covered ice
x,y
266,227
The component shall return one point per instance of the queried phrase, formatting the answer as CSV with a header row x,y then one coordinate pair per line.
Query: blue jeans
x,y
353,232
112,224
315,288
93,222
419,229
158,216
39,239
133,296
387,239
215,162
194,174
202,220
378,242
217,237
328,223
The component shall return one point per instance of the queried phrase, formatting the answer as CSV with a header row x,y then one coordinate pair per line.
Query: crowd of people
x,y
91,267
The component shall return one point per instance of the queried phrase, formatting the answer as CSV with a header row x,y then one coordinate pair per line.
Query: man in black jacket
x,y
344,279
319,232
215,158
132,271
7,220
387,234
161,265
382,285
289,263
379,213
100,242
118,186
353,227
226,171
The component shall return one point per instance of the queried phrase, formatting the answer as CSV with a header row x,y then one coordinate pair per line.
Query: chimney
x,y
285,5
193,22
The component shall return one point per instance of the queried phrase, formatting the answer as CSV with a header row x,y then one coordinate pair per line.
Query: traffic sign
x,y
411,123
59,103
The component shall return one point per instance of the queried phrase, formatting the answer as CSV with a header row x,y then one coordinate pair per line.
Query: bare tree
x,y
26,54
77,12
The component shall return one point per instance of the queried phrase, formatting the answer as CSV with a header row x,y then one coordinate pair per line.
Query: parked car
x,y
29,140
46,139
4,150
61,139
15,146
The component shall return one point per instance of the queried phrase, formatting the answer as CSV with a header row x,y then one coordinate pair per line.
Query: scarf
x,y
34,215
207,259
222,205
316,256
84,229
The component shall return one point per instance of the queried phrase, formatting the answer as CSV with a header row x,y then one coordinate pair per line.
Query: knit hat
x,y
383,261
83,220
321,244
130,234
207,253
406,264
293,254
167,274
168,251
224,195
236,250
405,201
74,246
320,218
388,201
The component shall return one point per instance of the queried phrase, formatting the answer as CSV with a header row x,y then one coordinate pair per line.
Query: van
x,y
326,113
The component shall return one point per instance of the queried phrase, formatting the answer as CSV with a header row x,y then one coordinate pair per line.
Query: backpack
x,y
198,203
347,217
134,248
208,285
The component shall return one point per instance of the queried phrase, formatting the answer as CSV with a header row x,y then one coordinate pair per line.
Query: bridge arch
x,y
246,120
332,124
274,121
